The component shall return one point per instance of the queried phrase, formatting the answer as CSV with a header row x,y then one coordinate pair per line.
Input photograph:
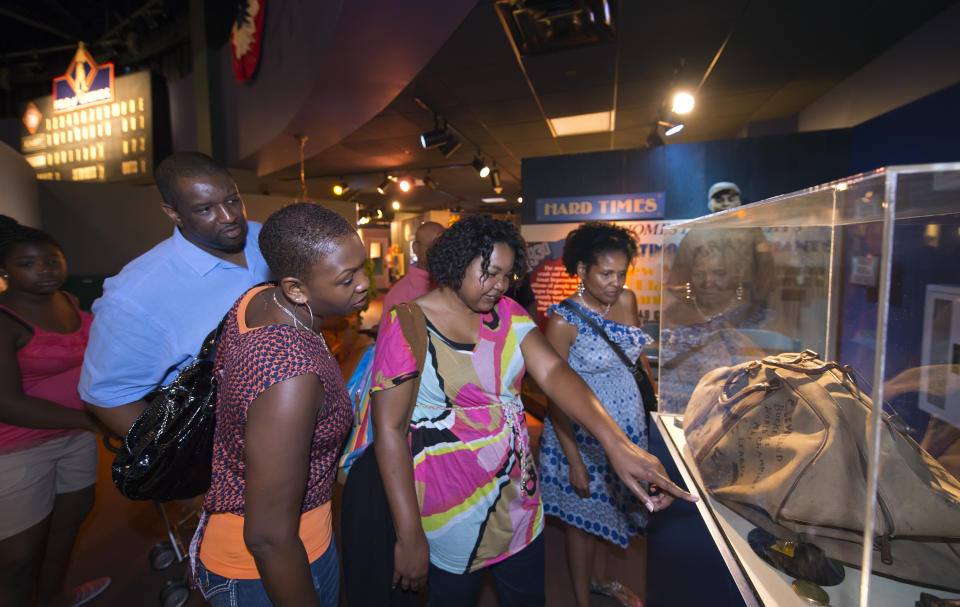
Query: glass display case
x,y
863,272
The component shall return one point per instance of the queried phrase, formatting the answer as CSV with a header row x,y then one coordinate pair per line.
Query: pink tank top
x,y
50,369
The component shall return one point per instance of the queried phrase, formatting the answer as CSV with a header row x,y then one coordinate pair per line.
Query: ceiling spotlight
x,y
404,184
670,128
340,188
382,188
480,166
434,138
430,182
363,220
379,213
682,103
450,146
396,205
495,181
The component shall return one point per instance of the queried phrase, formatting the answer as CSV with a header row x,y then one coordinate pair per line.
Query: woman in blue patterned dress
x,y
577,483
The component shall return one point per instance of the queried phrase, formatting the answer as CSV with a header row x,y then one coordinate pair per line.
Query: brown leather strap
x,y
414,326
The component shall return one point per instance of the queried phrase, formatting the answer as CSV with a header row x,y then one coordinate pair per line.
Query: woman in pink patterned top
x,y
48,453
462,486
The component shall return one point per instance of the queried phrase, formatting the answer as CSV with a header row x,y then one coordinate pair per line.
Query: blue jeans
x,y
225,592
519,580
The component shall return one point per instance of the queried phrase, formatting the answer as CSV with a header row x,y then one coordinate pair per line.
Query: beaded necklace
x,y
589,307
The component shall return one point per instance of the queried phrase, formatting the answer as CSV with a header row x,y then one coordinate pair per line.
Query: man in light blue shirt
x,y
153,315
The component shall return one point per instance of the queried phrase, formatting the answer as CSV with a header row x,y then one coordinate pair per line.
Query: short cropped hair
x,y
294,238
468,239
183,165
595,238
13,233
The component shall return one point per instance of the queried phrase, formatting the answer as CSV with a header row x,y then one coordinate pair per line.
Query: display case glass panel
x,y
865,272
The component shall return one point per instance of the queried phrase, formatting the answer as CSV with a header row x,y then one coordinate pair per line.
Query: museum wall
x,y
19,199
924,62
761,166
104,226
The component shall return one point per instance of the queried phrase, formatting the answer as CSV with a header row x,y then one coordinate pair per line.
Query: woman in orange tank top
x,y
283,413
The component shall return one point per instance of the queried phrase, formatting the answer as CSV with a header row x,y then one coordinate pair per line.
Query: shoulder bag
x,y
166,454
644,385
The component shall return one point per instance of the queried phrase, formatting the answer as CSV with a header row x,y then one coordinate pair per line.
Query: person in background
x,y
48,451
265,535
599,507
416,281
155,313
462,486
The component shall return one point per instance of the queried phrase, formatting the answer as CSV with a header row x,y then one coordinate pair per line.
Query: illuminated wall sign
x,y
613,207
99,138
85,84
32,118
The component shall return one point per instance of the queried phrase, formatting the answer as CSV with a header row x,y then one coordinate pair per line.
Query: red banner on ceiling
x,y
246,37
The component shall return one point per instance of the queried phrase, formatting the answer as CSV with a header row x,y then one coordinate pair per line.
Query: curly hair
x,y
295,237
180,165
594,238
13,233
467,239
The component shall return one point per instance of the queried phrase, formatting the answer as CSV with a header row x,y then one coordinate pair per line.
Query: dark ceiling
x,y
780,56
39,38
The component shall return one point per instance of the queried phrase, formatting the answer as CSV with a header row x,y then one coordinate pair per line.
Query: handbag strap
x,y
413,324
596,327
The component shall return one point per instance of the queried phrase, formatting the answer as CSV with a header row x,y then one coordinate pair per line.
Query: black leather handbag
x,y
167,452
644,384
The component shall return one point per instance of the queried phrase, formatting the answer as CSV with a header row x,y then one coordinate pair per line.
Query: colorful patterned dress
x,y
475,478
611,512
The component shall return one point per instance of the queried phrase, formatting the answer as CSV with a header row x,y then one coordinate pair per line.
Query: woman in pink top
x,y
48,453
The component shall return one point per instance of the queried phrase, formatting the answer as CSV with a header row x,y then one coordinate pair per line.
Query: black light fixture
x,y
654,139
436,137
339,189
382,188
480,166
450,146
495,181
430,182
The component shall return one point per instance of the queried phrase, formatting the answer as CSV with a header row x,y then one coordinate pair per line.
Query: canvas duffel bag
x,y
782,441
